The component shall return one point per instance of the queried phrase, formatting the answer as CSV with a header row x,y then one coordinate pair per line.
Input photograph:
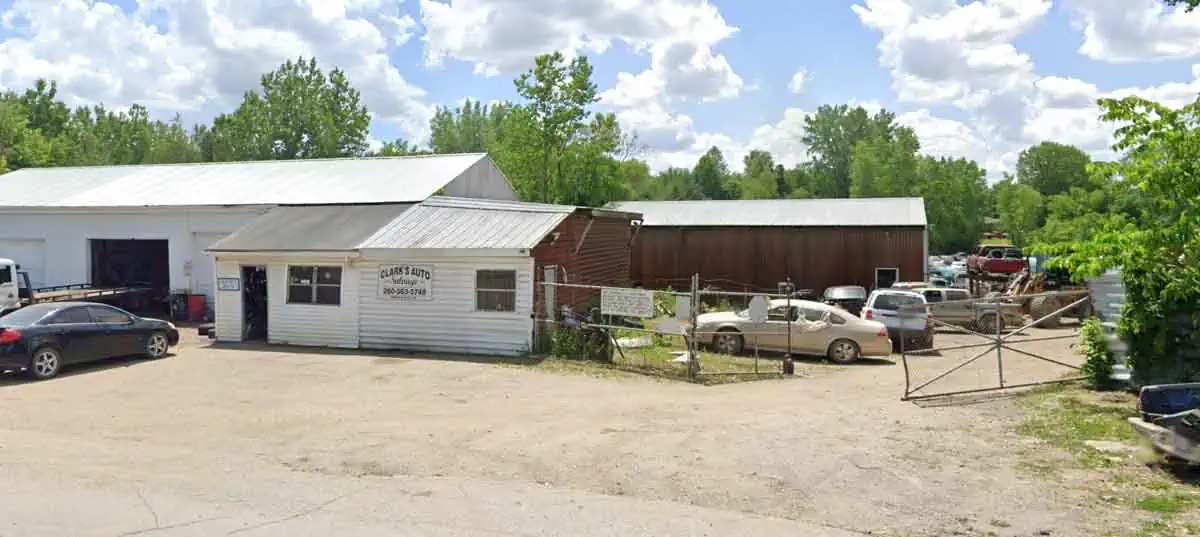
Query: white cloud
x,y
1135,30
207,53
798,81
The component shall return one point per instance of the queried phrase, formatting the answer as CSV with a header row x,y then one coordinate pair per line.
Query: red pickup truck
x,y
996,261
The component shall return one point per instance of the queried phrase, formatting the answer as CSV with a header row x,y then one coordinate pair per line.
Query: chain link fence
x,y
700,334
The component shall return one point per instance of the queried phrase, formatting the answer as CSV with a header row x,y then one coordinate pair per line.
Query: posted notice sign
x,y
627,302
406,282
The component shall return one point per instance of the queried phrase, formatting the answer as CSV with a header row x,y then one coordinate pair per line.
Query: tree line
x,y
555,148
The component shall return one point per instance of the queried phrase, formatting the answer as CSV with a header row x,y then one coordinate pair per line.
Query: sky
x,y
979,79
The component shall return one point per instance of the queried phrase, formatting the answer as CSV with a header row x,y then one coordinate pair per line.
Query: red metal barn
x,y
754,244
589,247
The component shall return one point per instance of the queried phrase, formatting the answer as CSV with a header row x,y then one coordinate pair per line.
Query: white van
x,y
906,315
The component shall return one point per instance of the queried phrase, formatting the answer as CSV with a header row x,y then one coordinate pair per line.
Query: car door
x,y
773,333
119,332
807,338
79,339
964,311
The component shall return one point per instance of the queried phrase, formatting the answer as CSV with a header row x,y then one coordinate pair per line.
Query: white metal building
x,y
62,224
450,275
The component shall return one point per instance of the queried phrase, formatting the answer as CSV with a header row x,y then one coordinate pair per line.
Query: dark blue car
x,y
43,338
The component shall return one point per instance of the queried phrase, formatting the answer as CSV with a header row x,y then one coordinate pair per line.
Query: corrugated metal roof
x,y
281,182
443,223
856,212
326,228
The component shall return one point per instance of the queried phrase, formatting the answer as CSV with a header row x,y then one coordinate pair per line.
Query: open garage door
x,y
30,254
204,272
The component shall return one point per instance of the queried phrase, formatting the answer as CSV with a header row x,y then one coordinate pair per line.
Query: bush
x,y
1098,363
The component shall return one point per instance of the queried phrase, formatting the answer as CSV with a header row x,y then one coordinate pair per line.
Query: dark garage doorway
x,y
133,263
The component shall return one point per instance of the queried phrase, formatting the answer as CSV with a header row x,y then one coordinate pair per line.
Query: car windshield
x,y
27,316
893,301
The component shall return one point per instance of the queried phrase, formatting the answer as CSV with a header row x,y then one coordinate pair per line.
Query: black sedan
x,y
42,338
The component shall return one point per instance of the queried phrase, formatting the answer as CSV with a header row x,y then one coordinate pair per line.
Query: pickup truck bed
x,y
67,293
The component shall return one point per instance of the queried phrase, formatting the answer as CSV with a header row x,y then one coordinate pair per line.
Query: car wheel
x,y
157,345
843,351
986,323
728,342
46,363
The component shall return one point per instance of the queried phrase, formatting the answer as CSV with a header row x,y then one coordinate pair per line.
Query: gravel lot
x,y
260,441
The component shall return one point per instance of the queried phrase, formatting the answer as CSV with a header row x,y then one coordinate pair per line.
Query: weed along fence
x,y
699,334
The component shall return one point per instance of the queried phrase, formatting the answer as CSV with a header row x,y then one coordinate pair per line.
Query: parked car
x,y
995,261
904,313
816,329
42,338
848,297
950,306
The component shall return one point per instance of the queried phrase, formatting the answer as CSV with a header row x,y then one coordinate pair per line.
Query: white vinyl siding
x,y
227,307
314,325
449,323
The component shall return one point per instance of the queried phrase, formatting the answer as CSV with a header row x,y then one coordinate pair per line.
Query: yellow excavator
x,y
1039,280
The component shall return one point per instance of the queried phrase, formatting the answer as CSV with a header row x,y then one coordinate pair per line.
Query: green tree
x,y
762,179
1052,168
711,175
1157,247
559,96
956,197
1187,5
884,165
398,148
831,134
1019,207
299,112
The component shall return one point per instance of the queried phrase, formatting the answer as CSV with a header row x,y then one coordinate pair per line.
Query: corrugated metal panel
x,y
449,322
856,212
758,258
285,182
65,234
227,307
312,228
447,223
311,325
602,258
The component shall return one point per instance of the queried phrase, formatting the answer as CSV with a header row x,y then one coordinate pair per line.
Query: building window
x,y
496,290
314,285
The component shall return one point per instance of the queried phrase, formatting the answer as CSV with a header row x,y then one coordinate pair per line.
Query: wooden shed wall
x,y
599,255
760,257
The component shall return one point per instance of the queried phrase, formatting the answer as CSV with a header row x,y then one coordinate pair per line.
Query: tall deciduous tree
x,y
884,165
712,175
559,95
1052,168
1019,207
1185,4
956,201
299,112
1157,244
831,134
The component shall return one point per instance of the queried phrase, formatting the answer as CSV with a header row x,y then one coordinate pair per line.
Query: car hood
x,y
159,321
718,317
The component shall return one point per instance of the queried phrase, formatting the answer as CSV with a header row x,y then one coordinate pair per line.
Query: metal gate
x,y
996,342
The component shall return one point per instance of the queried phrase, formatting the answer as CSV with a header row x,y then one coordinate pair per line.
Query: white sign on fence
x,y
406,282
626,302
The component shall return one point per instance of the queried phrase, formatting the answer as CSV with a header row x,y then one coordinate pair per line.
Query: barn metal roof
x,y
856,212
280,182
443,223
314,228
436,223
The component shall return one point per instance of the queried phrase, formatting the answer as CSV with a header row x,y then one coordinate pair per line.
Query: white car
x,y
906,315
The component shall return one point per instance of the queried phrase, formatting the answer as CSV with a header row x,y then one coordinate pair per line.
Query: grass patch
x,y
1069,417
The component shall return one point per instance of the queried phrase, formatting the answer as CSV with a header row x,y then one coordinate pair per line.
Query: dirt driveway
x,y
287,442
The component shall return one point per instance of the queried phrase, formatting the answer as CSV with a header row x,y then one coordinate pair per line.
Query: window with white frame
x,y
495,290
314,285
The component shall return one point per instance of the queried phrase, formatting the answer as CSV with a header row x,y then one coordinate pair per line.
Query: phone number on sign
x,y
405,292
